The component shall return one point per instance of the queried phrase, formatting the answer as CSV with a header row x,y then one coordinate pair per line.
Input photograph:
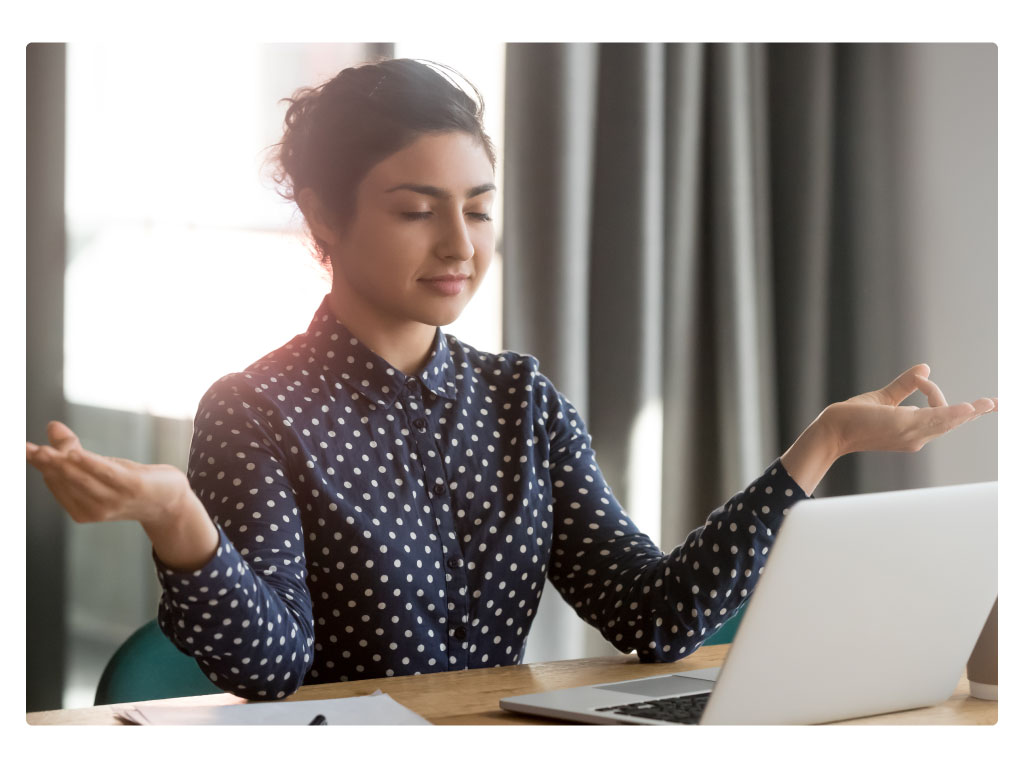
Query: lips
x,y
447,285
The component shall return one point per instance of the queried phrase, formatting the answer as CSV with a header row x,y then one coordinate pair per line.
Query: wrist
x,y
183,535
830,435
167,501
813,453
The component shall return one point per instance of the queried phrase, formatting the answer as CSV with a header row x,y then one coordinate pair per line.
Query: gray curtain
x,y
45,594
699,248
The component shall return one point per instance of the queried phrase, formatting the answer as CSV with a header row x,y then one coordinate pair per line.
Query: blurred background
x,y
704,245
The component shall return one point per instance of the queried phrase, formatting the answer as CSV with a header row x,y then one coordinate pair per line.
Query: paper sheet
x,y
375,709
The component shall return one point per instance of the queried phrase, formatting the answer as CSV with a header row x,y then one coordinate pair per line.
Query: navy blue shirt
x,y
374,524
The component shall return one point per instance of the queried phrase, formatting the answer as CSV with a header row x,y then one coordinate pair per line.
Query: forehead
x,y
451,161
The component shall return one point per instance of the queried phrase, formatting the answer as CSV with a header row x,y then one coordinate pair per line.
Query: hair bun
x,y
336,132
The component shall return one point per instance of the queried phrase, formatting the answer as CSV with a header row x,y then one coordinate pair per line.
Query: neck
x,y
405,344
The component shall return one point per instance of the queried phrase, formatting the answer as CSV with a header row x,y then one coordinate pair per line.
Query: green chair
x,y
149,666
727,631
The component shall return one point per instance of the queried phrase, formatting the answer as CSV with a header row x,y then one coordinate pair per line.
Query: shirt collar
x,y
366,371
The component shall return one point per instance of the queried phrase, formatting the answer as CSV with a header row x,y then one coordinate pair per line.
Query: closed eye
x,y
419,215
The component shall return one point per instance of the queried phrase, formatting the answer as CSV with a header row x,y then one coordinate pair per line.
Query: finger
x,y
931,391
80,505
103,469
81,494
904,385
43,456
30,450
982,406
61,437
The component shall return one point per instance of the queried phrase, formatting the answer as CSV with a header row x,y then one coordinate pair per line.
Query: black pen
x,y
318,720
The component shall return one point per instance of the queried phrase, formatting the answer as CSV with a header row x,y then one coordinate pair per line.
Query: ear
x,y
316,216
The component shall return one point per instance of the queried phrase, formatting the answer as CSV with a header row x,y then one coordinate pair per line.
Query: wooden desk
x,y
470,697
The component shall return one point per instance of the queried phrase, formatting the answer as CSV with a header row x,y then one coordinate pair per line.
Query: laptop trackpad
x,y
673,685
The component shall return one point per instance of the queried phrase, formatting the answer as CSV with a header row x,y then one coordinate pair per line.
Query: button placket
x,y
415,409
431,457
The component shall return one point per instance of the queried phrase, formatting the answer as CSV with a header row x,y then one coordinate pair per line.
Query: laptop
x,y
868,604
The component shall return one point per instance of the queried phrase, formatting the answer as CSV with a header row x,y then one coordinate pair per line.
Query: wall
x,y
949,161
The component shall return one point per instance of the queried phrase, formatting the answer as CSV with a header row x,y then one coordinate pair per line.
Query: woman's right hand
x,y
94,488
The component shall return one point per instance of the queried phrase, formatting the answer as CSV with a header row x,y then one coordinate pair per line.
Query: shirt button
x,y
411,383
454,562
460,632
439,488
420,424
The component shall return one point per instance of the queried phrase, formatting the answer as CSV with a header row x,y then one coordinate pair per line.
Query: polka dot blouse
x,y
375,524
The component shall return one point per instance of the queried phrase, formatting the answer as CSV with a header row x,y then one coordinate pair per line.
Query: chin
x,y
441,315
438,318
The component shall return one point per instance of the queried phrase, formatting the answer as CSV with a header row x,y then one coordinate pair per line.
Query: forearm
x,y
664,605
813,453
183,536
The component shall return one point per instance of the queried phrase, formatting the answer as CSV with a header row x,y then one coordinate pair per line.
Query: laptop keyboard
x,y
685,710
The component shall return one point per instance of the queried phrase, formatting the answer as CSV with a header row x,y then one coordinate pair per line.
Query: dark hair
x,y
335,133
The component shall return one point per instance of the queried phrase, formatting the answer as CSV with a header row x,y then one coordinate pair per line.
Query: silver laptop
x,y
868,604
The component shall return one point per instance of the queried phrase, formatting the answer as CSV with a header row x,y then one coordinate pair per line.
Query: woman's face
x,y
421,238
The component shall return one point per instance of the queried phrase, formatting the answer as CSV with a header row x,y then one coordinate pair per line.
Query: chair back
x,y
727,631
149,666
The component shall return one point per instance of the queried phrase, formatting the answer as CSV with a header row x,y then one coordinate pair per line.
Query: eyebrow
x,y
442,194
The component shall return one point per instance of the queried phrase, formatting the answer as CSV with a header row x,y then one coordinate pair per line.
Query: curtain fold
x,y
625,297
698,248
738,211
802,82
690,446
549,171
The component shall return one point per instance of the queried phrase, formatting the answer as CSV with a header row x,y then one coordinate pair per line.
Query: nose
x,y
455,241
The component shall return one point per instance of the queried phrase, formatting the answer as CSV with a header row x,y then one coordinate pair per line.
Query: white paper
x,y
375,709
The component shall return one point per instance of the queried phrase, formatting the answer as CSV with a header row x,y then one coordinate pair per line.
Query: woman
x,y
377,498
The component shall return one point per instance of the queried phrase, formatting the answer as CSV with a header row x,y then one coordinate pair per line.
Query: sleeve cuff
x,y
777,492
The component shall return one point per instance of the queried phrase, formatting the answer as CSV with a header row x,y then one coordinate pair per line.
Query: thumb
x,y
61,437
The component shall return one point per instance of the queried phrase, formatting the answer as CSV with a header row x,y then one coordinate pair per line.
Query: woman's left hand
x,y
875,421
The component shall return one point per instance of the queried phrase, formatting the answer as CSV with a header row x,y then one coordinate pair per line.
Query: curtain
x,y
700,249
45,570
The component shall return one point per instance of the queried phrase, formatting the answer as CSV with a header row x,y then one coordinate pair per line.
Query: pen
x,y
318,720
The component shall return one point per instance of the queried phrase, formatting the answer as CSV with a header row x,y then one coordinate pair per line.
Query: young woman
x,y
377,498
